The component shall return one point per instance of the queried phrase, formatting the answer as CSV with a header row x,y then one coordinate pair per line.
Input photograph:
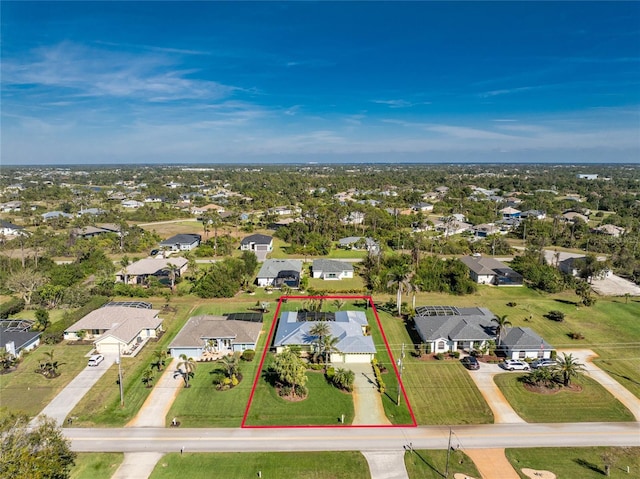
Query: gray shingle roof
x,y
257,239
180,239
471,324
524,339
271,267
200,328
331,266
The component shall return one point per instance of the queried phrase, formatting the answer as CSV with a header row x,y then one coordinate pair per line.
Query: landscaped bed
x,y
272,465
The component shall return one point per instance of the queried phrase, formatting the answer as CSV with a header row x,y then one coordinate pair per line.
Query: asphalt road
x,y
353,438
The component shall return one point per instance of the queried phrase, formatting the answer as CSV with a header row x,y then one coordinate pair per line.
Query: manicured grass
x,y
324,405
101,405
29,392
569,462
273,465
350,284
427,464
96,465
592,404
623,370
440,392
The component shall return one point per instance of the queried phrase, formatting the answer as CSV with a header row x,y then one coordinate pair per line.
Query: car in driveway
x,y
95,359
515,365
470,362
543,363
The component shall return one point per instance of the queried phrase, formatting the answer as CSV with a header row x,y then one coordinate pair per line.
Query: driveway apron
x,y
60,407
366,398
386,465
492,463
137,465
154,411
616,389
502,410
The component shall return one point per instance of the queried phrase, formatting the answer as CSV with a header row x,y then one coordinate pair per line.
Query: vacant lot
x,y
98,465
593,404
272,465
583,463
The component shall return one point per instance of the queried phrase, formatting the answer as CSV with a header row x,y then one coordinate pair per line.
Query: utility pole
x,y
120,377
446,472
400,368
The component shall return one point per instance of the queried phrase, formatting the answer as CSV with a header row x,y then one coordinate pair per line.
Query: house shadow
x,y
588,465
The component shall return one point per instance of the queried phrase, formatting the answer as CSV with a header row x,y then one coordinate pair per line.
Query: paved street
x,y
353,438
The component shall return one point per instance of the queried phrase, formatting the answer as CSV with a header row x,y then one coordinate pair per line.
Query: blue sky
x,y
248,82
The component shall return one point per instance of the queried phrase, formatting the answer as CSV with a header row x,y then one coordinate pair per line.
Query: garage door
x,y
357,358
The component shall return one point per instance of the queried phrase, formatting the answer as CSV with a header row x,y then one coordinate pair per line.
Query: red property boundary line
x,y
266,349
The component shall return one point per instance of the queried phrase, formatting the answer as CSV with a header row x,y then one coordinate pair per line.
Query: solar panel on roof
x,y
130,304
315,316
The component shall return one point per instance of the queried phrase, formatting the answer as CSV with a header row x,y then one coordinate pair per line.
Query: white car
x,y
95,359
515,365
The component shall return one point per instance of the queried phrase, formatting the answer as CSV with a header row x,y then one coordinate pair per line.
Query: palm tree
x,y
501,324
319,330
399,278
232,364
49,367
339,304
329,346
159,356
147,377
189,366
125,262
174,272
7,360
568,367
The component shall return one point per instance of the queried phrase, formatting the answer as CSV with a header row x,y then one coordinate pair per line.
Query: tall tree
x,y
319,331
31,451
501,325
290,370
25,282
399,278
568,368
188,365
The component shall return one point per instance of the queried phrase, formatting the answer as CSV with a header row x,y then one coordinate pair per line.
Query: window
x,y
441,346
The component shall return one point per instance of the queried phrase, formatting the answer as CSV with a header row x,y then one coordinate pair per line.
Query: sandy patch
x,y
459,475
534,474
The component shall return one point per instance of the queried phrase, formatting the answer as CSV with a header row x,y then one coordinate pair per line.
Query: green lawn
x,y
29,392
427,464
624,370
593,404
569,462
96,465
440,392
350,284
272,465
324,405
101,405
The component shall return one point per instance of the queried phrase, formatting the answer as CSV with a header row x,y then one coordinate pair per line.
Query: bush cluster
x,y
13,306
378,374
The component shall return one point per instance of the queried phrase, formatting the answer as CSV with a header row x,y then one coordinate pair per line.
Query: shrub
x,y
331,372
52,338
555,315
454,354
440,356
286,390
13,306
576,335
511,304
316,367
218,378
248,355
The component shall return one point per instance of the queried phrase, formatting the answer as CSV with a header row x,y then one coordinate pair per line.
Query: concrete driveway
x,y
60,407
617,390
502,410
366,398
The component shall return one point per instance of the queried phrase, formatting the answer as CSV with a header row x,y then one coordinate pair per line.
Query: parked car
x,y
515,365
470,362
95,359
154,252
543,363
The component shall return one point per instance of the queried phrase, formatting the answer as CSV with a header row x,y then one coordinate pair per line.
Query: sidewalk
x,y
154,411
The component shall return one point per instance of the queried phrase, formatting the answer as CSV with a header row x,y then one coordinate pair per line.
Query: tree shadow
x,y
270,377
566,301
588,465
431,466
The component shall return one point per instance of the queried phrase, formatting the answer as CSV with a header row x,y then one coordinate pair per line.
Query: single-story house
x,y
359,242
136,273
569,263
133,204
521,343
201,210
485,230
182,242
91,211
50,215
91,231
117,328
491,271
9,229
610,230
217,335
257,242
16,336
354,345
279,272
509,212
447,328
424,207
535,214
331,269
11,206
574,216
452,227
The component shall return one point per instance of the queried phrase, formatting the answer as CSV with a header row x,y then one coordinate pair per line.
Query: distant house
x,y
9,229
216,336
131,204
50,215
181,242
424,207
521,343
448,328
491,271
574,216
509,212
535,214
257,242
331,269
16,336
582,176
485,230
91,231
353,218
11,206
452,227
138,272
354,345
610,230
571,263
280,272
118,329
359,242
201,210
91,211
